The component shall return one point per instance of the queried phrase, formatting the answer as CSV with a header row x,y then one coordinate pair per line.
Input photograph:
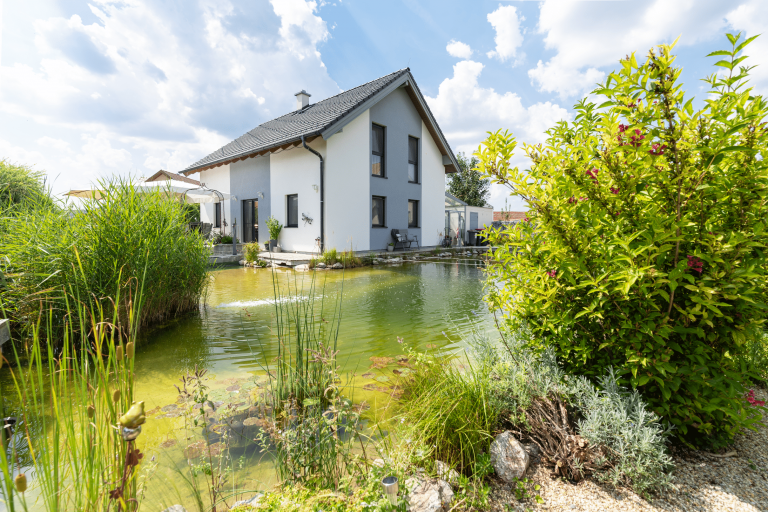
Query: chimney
x,y
302,99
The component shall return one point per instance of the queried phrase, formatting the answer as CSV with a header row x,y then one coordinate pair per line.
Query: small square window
x,y
413,214
377,150
293,211
377,212
413,159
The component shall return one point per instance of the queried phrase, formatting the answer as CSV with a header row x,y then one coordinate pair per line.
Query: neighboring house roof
x,y
508,216
162,175
324,119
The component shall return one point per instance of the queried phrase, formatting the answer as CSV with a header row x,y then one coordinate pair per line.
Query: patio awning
x,y
193,193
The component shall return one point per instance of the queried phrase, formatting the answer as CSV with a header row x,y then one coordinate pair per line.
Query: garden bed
x,y
703,482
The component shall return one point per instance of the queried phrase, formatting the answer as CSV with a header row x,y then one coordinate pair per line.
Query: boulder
x,y
246,504
509,458
321,265
337,266
175,508
428,495
241,262
301,268
446,472
394,260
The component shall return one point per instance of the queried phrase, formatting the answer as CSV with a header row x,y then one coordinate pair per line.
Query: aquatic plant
x,y
52,253
67,396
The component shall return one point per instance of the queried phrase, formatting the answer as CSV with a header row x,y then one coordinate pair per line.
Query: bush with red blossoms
x,y
754,402
664,280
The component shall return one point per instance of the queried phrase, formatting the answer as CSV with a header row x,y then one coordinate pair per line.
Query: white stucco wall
x,y
294,172
216,179
347,187
484,215
432,191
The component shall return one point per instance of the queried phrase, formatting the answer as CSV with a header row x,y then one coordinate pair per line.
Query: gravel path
x,y
703,483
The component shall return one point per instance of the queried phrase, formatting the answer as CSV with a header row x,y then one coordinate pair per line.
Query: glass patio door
x,y
250,220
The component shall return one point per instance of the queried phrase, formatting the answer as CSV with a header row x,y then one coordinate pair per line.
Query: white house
x,y
340,173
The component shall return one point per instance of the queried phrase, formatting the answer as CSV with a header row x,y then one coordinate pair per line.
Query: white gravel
x,y
703,483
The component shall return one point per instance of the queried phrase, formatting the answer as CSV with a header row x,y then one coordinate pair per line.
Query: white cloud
x,y
149,86
751,18
589,35
509,34
466,111
458,49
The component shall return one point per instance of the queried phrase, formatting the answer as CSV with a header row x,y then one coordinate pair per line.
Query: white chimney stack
x,y
302,99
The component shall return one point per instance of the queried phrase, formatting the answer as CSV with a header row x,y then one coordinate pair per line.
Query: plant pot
x,y
390,248
272,245
278,249
266,246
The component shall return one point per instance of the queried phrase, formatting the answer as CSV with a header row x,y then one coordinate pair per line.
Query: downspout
x,y
322,194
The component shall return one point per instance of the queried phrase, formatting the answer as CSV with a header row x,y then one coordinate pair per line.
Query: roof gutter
x,y
322,194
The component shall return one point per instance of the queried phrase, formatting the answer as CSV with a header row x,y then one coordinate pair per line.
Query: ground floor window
x,y
377,211
217,215
293,211
413,214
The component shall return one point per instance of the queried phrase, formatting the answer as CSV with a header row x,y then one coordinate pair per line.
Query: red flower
x,y
614,190
750,396
592,173
637,138
657,149
552,273
695,263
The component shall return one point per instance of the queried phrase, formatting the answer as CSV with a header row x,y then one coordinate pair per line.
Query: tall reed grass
x,y
67,395
51,250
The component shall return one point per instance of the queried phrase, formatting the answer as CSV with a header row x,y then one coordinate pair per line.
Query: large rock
x,y
337,266
428,495
301,268
247,504
509,458
320,265
447,473
175,508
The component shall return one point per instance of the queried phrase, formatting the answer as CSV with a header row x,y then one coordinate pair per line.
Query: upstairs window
x,y
377,151
377,212
217,215
293,211
413,159
413,214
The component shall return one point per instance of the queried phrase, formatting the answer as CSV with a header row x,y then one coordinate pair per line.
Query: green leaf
x,y
720,52
745,43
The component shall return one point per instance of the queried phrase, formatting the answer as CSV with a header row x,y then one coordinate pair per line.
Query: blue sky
x,y
89,89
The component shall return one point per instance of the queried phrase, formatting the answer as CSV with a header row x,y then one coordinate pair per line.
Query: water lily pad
x,y
381,362
194,450
168,443
368,375
235,387
403,373
382,378
170,408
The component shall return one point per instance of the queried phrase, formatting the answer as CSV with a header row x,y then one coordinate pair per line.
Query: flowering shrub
x,y
754,402
658,269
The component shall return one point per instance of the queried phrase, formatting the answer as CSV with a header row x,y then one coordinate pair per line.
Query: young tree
x,y
468,184
645,244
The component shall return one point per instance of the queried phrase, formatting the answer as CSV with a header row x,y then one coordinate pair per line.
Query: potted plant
x,y
390,246
274,228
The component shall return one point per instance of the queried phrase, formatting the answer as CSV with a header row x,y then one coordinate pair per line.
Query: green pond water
x,y
232,337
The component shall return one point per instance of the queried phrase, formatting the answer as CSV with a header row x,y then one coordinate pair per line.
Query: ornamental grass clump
x,y
644,248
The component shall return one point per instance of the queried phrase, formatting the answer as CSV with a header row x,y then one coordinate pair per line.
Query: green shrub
x,y
644,244
251,252
100,253
754,356
618,420
19,184
274,227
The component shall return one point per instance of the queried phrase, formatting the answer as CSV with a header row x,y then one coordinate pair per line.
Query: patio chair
x,y
205,229
401,236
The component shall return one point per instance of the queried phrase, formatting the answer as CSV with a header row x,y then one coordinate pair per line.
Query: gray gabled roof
x,y
323,118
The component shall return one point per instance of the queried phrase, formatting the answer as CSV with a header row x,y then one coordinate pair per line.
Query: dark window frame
x,y
416,215
381,154
416,162
288,223
383,212
217,215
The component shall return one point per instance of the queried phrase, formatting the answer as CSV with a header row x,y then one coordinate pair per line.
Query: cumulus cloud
x,y
751,18
458,49
509,35
588,35
166,85
466,111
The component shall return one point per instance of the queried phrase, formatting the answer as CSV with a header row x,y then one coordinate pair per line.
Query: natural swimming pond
x,y
232,337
